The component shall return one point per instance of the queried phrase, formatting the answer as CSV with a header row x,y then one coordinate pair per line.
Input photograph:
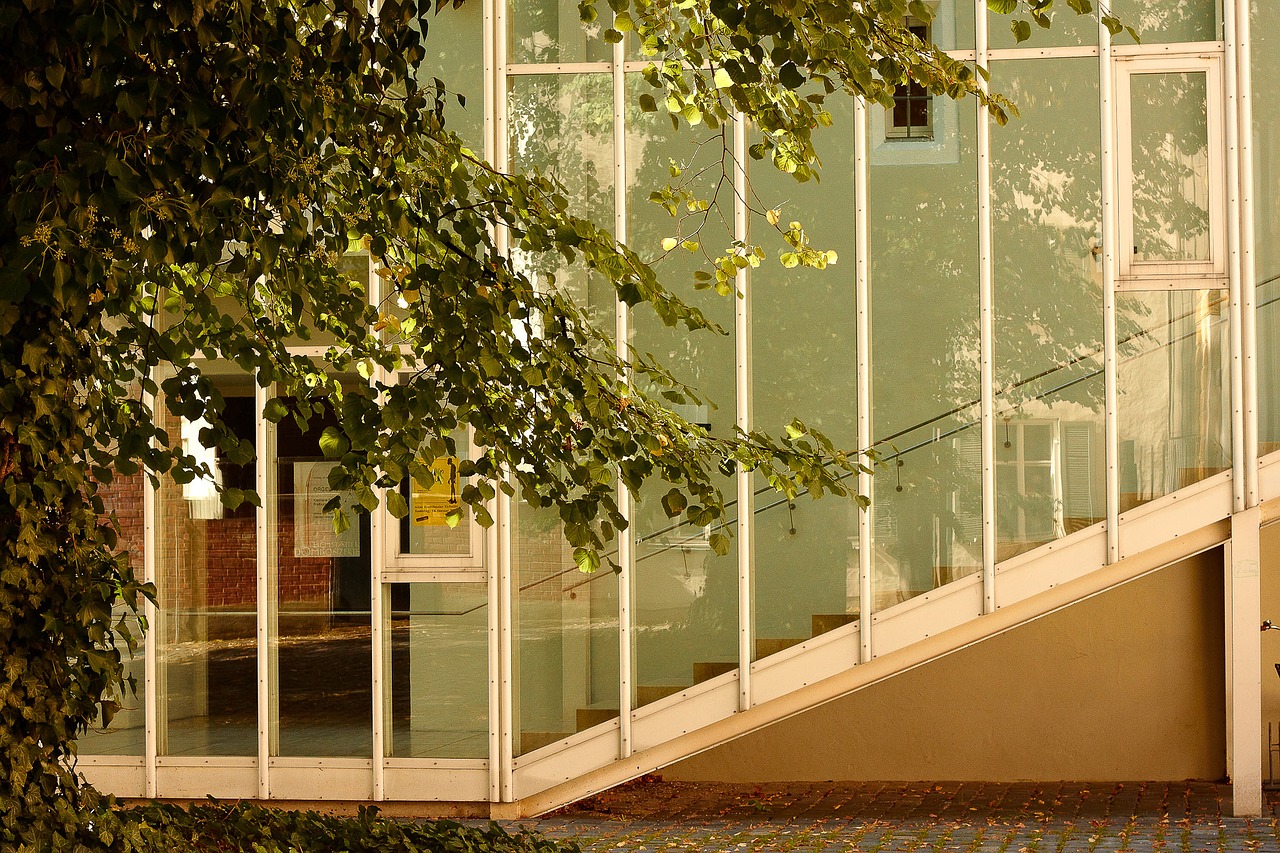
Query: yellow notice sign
x,y
432,503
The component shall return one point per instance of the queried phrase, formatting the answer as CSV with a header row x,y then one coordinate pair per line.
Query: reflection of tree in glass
x,y
562,126
1170,167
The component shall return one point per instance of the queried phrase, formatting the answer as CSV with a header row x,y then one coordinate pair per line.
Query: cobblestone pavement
x,y
652,816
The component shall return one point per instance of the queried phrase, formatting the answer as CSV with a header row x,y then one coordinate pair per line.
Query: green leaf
x,y
333,443
396,504
275,410
1021,30
586,559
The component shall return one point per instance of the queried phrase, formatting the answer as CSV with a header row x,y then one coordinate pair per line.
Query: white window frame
x,y
401,567
943,147
1134,274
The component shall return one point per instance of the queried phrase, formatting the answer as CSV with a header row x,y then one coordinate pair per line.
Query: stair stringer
x,y
908,635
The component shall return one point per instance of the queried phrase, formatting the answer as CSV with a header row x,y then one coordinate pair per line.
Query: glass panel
x,y
1266,188
321,639
426,530
206,587
455,54
685,597
1068,30
126,735
437,653
562,125
1174,417
1170,161
926,504
1046,227
566,649
803,365
1162,21
552,31
953,25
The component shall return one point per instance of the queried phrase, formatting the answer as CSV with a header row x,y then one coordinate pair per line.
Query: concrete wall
x,y
1127,685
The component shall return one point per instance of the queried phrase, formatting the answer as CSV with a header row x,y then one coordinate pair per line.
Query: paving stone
x,y
653,816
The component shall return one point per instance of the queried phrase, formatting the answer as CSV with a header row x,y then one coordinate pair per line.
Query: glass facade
x,y
268,646
1046,241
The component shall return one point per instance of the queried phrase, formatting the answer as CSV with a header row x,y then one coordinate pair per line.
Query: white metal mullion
x,y
490,105
622,329
535,69
493,108
1248,272
986,326
378,638
150,649
743,414
263,609
501,587
1106,95
862,333
1233,259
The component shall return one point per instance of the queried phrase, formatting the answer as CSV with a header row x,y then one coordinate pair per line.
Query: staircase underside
x,y
818,670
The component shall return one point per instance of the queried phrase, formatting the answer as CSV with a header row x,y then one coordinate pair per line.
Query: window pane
x,y
926,505
553,31
1047,283
803,365
1170,161
1174,416
685,595
124,498
1162,21
426,529
566,629
454,47
1068,30
437,648
1265,56
206,587
562,125
321,642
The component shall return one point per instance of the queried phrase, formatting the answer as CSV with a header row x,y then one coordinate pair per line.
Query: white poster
x,y
313,534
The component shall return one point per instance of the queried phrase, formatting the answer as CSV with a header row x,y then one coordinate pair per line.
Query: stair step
x,y
529,741
707,670
594,715
824,622
766,646
647,693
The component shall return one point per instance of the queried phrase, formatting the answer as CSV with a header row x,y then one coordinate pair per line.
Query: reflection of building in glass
x,y
1058,337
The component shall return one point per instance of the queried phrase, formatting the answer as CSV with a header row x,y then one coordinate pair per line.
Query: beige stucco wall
x,y
1270,643
1127,685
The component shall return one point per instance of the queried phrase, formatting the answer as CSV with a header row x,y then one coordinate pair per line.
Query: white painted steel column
x,y
1248,271
150,703
501,588
622,336
495,535
377,621
866,536
495,544
1110,236
1233,261
742,356
263,608
986,326
1244,555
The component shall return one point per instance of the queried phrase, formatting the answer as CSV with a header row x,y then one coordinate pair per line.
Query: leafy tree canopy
x,y
181,180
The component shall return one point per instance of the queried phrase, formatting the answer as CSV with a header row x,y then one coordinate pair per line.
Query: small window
x,y
912,114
